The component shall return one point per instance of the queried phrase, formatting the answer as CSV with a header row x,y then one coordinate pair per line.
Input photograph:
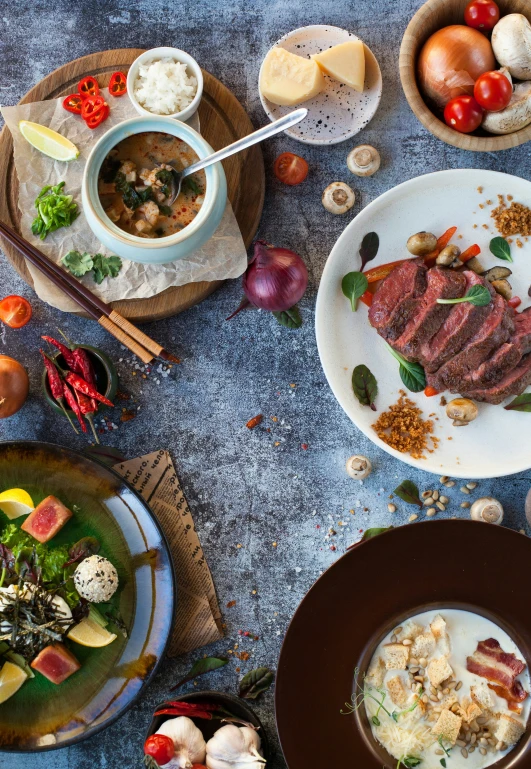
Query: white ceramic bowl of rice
x,y
165,81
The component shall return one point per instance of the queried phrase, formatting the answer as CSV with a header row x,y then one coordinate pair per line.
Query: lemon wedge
x,y
47,141
89,633
16,502
11,679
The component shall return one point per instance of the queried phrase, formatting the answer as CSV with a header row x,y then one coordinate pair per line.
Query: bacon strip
x,y
491,662
514,696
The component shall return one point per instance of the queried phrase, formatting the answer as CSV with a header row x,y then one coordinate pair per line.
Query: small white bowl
x,y
155,54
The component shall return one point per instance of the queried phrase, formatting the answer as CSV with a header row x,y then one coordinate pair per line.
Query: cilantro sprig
x,y
102,266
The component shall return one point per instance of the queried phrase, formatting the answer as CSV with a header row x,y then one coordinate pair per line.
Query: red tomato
x,y
464,114
199,766
160,747
15,311
482,15
493,91
514,302
290,169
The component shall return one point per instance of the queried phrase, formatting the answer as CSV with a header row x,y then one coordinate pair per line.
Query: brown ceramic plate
x,y
364,595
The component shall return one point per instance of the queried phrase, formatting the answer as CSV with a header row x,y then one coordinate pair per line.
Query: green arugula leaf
x,y
409,493
521,403
354,285
364,386
78,264
199,668
479,296
369,248
411,374
54,210
501,249
106,266
290,318
255,682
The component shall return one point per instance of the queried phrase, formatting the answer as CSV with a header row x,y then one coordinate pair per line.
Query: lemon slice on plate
x,y
11,679
89,633
16,502
47,141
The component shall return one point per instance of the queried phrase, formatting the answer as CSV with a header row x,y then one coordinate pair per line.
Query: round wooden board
x,y
223,120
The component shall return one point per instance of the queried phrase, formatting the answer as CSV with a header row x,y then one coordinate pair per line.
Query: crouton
x,y
469,711
376,673
448,726
397,692
448,700
410,630
439,670
507,729
481,695
423,646
396,656
443,647
438,626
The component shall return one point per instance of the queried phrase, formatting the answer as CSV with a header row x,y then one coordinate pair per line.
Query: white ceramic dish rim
x,y
153,54
322,317
142,124
271,116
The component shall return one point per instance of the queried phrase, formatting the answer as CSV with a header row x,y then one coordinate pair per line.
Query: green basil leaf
x,y
199,668
521,403
479,296
290,318
255,682
443,763
413,376
408,492
365,386
501,249
369,248
354,285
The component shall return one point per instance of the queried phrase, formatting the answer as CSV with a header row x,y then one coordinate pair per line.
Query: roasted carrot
x,y
445,238
470,253
366,298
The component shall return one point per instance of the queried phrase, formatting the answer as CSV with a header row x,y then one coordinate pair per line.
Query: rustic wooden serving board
x,y
223,120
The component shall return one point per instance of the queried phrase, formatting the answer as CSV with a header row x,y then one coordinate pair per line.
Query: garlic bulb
x,y
234,747
190,746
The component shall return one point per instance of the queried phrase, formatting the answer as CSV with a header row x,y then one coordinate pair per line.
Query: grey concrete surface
x,y
242,489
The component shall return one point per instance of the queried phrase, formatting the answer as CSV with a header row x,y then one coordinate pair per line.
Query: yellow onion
x,y
451,61
14,386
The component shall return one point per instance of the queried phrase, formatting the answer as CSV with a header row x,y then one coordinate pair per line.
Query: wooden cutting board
x,y
223,120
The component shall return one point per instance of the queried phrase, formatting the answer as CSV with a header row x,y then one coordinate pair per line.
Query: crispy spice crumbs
x,y
402,428
512,220
480,190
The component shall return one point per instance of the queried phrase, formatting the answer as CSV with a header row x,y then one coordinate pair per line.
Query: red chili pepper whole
x,y
56,385
82,365
193,705
69,395
72,103
88,407
180,712
88,87
118,84
65,351
79,384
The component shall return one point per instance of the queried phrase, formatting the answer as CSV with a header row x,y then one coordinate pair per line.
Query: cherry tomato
x,y
493,91
290,169
15,311
464,114
482,15
160,747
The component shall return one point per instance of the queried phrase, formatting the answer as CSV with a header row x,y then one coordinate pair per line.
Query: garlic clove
x,y
190,745
233,747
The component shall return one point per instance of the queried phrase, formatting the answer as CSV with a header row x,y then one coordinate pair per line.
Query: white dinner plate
x,y
497,443
338,112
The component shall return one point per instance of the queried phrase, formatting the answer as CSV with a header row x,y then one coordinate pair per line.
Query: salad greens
x,y
54,210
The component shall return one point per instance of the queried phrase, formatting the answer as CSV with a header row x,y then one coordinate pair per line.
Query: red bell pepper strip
x,y
514,302
429,392
88,87
118,84
69,395
87,389
72,103
56,385
470,253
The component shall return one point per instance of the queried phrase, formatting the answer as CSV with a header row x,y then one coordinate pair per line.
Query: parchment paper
x,y
198,618
223,256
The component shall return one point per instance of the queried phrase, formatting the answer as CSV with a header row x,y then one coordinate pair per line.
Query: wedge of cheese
x,y
288,79
345,63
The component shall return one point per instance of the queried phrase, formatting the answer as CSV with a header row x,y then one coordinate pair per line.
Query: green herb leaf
x,y
408,492
411,374
165,210
376,721
369,248
199,668
255,682
521,403
479,296
370,533
364,385
290,318
150,763
501,249
191,183
78,264
106,266
411,761
443,762
54,210
82,549
354,285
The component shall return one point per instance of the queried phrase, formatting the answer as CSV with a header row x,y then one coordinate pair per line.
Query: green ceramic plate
x,y
41,715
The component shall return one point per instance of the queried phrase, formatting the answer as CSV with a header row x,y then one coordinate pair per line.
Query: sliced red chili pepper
x,y
118,84
97,118
72,103
91,105
88,87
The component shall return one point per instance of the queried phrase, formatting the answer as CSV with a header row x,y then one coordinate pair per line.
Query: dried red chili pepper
x,y
189,706
72,103
69,395
118,84
88,407
88,87
82,365
56,385
180,712
65,351
79,384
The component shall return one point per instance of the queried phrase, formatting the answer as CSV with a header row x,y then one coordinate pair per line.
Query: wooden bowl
x,y
432,16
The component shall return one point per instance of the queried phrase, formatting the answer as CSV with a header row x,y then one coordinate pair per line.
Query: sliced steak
x,y
429,315
492,371
496,329
462,323
513,383
522,332
396,299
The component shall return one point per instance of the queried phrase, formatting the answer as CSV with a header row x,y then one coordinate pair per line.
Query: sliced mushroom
x,y
462,411
422,243
363,160
502,287
496,273
487,509
514,117
511,43
475,265
338,198
359,467
448,255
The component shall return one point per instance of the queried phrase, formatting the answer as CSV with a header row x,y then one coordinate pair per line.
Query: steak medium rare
x,y
494,368
513,383
396,300
522,330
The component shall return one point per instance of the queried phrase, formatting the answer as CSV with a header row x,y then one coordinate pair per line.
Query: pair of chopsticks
x,y
125,332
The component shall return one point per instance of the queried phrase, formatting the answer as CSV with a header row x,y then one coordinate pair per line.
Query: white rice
x,y
164,87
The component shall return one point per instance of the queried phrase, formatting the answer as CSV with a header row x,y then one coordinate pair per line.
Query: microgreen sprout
x,y
408,761
363,693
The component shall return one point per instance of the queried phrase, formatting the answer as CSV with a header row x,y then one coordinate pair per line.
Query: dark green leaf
x,y
255,682
109,168
165,210
82,549
191,183
199,668
354,285
106,266
364,385
370,533
479,296
411,761
413,376
521,403
290,318
443,762
408,492
501,249
164,175
78,264
150,763
369,248
375,720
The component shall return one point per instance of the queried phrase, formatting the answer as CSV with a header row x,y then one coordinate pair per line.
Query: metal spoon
x,y
257,136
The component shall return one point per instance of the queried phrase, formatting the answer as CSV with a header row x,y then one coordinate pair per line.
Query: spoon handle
x,y
257,136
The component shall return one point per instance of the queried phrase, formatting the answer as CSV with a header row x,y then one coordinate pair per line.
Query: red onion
x,y
275,279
